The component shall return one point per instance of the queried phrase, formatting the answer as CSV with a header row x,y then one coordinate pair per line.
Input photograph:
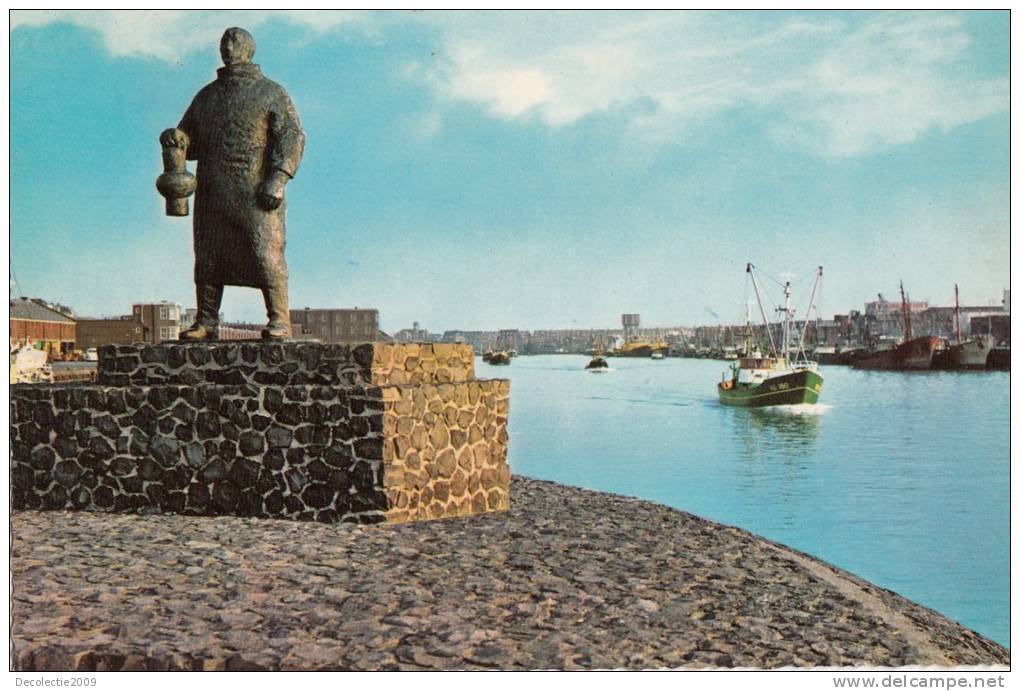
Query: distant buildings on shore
x,y
881,319
43,324
332,325
543,341
56,329
147,323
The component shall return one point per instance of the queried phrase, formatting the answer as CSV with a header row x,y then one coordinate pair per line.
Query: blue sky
x,y
534,170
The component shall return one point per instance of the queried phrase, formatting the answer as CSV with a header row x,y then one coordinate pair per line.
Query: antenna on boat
x,y
785,309
768,331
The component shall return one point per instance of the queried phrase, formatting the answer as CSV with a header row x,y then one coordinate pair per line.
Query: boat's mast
x,y
811,303
761,307
748,335
956,290
786,320
907,334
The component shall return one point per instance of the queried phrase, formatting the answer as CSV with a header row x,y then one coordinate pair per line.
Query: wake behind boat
x,y
781,378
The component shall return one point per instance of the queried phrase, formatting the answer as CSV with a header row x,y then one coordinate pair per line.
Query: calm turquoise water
x,y
900,478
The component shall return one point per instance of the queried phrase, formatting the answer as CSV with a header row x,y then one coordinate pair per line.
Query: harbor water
x,y
900,478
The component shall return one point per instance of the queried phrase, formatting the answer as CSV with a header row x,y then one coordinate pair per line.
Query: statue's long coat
x,y
241,127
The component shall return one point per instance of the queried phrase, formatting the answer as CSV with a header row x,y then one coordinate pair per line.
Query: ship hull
x,y
825,357
638,350
970,354
803,386
915,354
847,357
998,359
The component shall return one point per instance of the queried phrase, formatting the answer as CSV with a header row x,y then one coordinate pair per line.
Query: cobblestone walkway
x,y
567,579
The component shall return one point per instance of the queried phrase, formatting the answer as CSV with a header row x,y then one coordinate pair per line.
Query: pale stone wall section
x,y
445,449
422,363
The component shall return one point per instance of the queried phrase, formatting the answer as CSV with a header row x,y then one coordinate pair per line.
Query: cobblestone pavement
x,y
567,579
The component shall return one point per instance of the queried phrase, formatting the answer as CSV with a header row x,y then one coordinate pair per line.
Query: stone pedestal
x,y
369,433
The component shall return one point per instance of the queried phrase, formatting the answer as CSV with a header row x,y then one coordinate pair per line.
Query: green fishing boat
x,y
781,378
770,381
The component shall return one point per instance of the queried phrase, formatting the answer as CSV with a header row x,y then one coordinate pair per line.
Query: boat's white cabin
x,y
756,369
752,370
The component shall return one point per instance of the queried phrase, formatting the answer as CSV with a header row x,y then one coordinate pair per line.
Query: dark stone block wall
x,y
282,364
324,452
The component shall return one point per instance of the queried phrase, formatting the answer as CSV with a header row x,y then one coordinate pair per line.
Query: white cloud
x,y
170,35
838,86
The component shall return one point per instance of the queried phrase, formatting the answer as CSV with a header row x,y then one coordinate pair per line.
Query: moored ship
x,y
639,349
782,378
911,354
973,352
998,358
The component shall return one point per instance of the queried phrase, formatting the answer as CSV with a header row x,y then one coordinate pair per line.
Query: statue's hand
x,y
270,194
174,137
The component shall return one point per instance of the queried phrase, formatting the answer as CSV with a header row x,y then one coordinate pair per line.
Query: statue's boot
x,y
207,324
278,312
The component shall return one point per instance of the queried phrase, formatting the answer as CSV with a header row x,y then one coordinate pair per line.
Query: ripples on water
x,y
901,478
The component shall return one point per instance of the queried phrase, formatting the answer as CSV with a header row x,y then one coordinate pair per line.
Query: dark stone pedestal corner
x,y
369,432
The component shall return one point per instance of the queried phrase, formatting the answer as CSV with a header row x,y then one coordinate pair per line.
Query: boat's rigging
x,y
761,307
777,378
905,310
807,313
956,291
780,281
787,312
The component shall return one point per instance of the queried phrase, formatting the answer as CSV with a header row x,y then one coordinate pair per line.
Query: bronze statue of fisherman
x,y
245,134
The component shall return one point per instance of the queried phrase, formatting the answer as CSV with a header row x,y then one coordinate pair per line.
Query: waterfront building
x,y
189,316
481,341
96,333
415,334
43,326
885,318
149,322
995,324
941,321
338,325
162,319
511,339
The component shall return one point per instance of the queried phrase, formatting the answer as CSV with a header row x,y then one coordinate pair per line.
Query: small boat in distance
x,y
597,364
657,355
496,358
781,378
